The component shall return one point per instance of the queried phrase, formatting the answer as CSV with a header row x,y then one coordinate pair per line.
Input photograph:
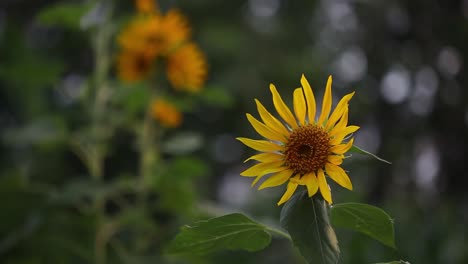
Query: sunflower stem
x,y
278,232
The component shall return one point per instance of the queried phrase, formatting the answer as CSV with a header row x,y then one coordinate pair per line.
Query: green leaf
x,y
366,219
188,167
359,150
307,221
232,231
134,98
67,15
217,96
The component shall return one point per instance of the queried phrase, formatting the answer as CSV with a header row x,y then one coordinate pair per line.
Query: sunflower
x,y
175,30
143,35
187,68
303,150
146,6
155,34
133,66
166,113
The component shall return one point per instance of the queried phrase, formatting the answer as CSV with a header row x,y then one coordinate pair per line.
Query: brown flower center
x,y
142,64
307,149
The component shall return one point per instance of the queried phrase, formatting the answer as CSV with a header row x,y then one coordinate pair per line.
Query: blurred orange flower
x,y
187,68
133,66
146,6
175,30
166,113
143,35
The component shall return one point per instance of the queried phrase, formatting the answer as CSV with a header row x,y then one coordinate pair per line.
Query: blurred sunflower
x,y
166,113
133,67
146,6
304,149
143,35
187,68
175,30
155,34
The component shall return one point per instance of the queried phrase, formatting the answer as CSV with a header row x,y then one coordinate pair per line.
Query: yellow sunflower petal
x,y
327,102
260,145
261,169
309,95
290,189
338,175
342,148
271,121
277,179
335,159
266,157
323,186
342,134
264,130
310,180
300,107
282,108
342,123
339,110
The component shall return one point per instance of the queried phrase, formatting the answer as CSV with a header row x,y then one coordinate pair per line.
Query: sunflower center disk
x,y
307,149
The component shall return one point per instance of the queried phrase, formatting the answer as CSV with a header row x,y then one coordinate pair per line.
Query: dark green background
x,y
405,60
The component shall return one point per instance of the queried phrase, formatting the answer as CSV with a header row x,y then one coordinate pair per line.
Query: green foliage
x,y
134,98
307,221
67,15
364,218
40,131
216,96
188,167
183,143
176,185
233,231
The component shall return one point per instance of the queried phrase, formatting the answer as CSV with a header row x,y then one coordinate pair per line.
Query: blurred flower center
x,y
142,63
307,149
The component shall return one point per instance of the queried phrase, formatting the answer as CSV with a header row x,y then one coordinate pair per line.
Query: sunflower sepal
x,y
310,222
307,221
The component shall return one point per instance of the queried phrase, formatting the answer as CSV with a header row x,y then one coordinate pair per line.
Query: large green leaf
x,y
366,219
233,231
307,221
359,150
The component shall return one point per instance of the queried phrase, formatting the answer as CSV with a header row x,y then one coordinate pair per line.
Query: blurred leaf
x,y
364,218
177,187
183,143
188,167
18,203
63,14
233,231
40,131
40,70
135,98
359,150
217,96
307,221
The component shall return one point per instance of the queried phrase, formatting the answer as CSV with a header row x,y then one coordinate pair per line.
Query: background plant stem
x,y
99,130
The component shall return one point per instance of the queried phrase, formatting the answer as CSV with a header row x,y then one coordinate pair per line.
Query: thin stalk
x,y
99,128
278,232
